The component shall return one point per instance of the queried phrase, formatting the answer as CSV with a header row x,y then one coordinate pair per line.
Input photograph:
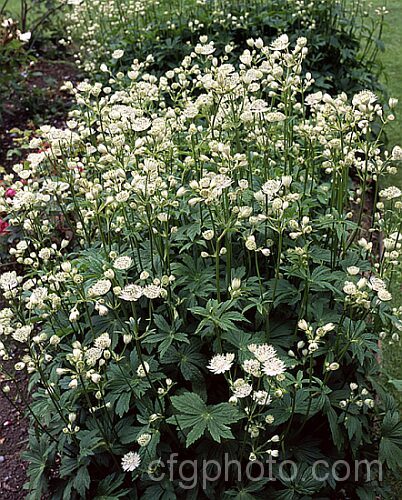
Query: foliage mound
x,y
344,37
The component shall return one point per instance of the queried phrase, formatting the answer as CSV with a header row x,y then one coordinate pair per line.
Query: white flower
x,y
22,334
143,369
259,106
144,275
353,270
102,309
38,297
101,287
280,43
123,263
208,235
333,367
92,355
275,116
273,453
141,124
221,363
349,288
25,37
397,153
303,325
144,439
204,50
392,102
130,461
273,367
271,187
250,243
152,291
287,180
313,98
103,341
74,315
8,280
253,367
262,398
118,54
377,284
262,352
365,244
364,98
390,193
131,293
241,389
384,295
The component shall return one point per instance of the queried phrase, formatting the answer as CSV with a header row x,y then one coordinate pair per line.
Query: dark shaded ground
x,y
42,102
13,438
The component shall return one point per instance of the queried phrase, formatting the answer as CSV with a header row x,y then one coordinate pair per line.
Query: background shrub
x,y
343,36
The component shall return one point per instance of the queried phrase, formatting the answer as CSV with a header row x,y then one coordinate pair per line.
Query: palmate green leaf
x,y
189,403
285,292
82,481
188,359
195,414
242,340
89,442
354,427
123,403
363,346
390,453
391,440
321,279
308,449
337,436
68,466
194,278
218,315
196,432
110,488
366,493
166,334
120,380
37,457
161,491
304,483
220,415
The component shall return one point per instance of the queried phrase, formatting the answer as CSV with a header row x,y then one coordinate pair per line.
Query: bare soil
x,y
13,438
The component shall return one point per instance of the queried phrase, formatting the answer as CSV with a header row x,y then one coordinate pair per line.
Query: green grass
x,y
14,7
391,59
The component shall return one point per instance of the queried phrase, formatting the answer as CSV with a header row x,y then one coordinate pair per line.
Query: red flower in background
x,y
3,227
10,193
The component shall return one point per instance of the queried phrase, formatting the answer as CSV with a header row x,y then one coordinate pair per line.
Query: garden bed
x,y
197,262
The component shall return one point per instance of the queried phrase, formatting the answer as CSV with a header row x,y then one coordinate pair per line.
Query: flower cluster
x,y
106,36
198,269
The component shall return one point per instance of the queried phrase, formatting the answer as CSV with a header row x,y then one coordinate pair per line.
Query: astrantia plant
x,y
201,278
343,37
